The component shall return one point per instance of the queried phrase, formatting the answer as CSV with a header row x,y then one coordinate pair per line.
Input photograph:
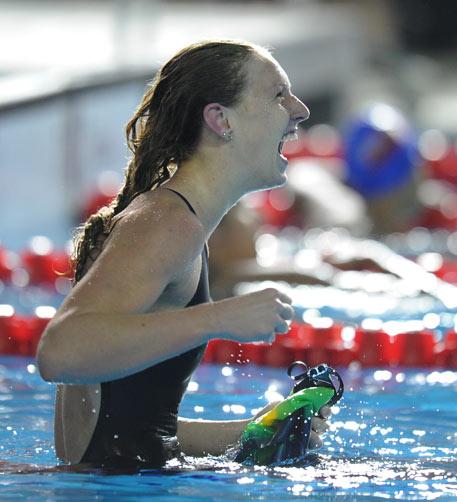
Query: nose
x,y
300,111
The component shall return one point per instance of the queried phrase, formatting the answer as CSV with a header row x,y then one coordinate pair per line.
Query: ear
x,y
215,117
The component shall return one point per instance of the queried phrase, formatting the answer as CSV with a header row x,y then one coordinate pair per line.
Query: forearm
x,y
209,437
214,437
200,437
96,347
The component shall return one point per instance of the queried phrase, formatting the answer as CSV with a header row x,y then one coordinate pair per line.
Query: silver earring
x,y
227,135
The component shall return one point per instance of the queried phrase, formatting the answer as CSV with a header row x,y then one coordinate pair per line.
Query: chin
x,y
280,181
277,178
281,177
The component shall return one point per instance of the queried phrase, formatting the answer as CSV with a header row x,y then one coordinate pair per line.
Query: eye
x,y
281,92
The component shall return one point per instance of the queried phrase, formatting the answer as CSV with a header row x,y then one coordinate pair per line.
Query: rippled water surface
x,y
394,436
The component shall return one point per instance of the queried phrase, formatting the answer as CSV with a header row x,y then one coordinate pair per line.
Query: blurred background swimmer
x,y
368,184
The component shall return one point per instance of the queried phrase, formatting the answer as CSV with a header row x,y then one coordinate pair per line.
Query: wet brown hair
x,y
167,125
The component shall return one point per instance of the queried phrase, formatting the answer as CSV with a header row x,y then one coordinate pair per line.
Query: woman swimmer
x,y
124,343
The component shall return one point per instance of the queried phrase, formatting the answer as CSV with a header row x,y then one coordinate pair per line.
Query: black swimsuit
x,y
138,415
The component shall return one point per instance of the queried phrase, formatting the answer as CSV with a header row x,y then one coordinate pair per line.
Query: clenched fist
x,y
255,317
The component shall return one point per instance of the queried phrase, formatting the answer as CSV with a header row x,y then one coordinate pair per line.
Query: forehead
x,y
263,75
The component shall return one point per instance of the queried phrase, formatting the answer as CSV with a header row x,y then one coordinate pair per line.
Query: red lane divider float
x,y
7,262
369,348
38,265
415,349
44,269
334,344
373,347
446,351
20,335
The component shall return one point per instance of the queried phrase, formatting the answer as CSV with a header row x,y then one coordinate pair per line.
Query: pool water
x,y
393,436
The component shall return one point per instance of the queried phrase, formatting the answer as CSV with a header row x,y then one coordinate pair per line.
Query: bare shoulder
x,y
159,220
154,242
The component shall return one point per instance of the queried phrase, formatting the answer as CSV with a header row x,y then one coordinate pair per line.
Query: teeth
x,y
290,136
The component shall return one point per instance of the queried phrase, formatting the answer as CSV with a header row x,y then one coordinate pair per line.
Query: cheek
x,y
259,125
285,113
278,117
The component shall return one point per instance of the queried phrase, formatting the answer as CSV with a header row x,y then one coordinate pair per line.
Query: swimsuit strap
x,y
191,208
183,198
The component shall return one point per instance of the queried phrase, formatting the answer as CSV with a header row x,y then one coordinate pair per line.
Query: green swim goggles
x,y
282,434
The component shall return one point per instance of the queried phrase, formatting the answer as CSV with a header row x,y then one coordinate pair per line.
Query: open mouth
x,y
289,136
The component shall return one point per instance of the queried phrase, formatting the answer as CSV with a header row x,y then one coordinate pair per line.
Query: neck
x,y
209,185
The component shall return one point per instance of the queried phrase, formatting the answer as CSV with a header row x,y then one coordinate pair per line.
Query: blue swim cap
x,y
380,151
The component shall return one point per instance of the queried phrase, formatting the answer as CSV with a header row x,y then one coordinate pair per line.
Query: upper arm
x,y
143,254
